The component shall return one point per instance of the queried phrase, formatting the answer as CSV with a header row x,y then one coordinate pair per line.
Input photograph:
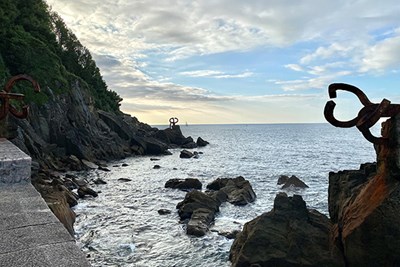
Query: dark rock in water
x,y
293,181
189,145
124,179
156,167
154,159
185,154
104,169
289,235
124,165
164,211
282,179
84,191
184,184
79,182
195,200
200,221
238,190
230,235
99,181
89,165
201,142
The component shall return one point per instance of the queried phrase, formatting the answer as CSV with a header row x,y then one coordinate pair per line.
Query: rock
x,y
195,200
156,167
124,165
282,179
238,190
293,181
79,182
289,235
164,211
185,154
84,191
124,179
99,181
154,159
89,165
201,142
104,169
184,184
230,235
189,145
200,221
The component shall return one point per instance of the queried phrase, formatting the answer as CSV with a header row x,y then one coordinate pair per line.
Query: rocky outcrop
x,y
238,190
201,142
185,154
289,235
184,184
291,182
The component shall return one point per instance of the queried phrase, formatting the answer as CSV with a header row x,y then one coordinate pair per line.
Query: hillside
x,y
75,116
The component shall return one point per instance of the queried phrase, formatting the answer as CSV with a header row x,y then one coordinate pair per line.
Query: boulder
x,y
84,191
89,165
156,167
99,181
282,179
164,211
185,154
295,182
238,190
288,235
200,221
184,184
201,142
195,200
124,179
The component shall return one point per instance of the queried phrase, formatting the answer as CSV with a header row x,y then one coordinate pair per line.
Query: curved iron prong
x,y
19,77
349,88
328,113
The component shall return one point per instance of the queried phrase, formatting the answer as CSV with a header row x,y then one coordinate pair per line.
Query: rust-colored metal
x,y
6,96
173,122
367,116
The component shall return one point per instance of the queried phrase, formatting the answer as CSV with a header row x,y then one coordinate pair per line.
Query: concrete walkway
x,y
30,235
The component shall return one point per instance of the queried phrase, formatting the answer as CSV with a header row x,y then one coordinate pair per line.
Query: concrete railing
x,y
30,234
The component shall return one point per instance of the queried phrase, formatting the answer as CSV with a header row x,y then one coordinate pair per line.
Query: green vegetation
x,y
36,41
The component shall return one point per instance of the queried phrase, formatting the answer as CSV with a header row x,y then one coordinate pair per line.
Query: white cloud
x,y
216,74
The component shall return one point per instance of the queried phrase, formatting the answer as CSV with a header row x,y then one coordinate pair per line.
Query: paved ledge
x,y
30,235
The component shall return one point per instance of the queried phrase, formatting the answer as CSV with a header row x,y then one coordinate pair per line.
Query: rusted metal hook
x,y
367,116
6,96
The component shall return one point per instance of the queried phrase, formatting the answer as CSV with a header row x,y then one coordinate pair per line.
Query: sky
x,y
234,61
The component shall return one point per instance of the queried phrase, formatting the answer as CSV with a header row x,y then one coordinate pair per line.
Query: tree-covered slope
x,y
36,41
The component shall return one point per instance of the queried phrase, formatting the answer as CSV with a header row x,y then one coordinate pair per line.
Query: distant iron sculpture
x,y
367,116
173,122
6,96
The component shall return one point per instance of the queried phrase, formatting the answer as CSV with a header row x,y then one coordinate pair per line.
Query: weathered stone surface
x,y
195,200
89,164
184,184
15,165
238,190
84,191
200,221
289,235
295,182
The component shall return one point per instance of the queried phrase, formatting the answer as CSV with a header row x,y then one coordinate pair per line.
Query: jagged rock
x,y
282,179
84,191
238,190
195,200
189,145
184,184
185,154
200,221
289,235
294,181
201,142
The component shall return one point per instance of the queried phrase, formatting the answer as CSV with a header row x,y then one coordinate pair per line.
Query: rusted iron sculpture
x,y
6,96
173,122
367,116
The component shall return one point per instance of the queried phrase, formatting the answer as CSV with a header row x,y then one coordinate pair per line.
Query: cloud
x,y
216,74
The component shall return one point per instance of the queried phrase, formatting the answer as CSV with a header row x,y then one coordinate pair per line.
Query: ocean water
x,y
122,227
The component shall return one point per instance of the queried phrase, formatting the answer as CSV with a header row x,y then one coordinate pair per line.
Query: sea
x,y
122,227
